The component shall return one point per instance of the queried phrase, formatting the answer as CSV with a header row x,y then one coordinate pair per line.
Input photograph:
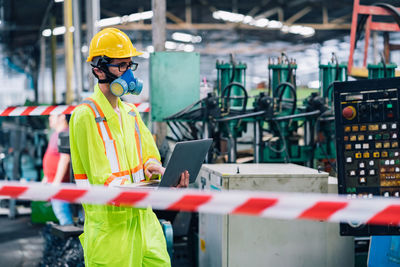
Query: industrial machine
x,y
367,140
284,131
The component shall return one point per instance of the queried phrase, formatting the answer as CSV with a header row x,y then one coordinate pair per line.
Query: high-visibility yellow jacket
x,y
104,152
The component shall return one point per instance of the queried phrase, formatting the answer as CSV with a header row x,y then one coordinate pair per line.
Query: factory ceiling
x,y
221,24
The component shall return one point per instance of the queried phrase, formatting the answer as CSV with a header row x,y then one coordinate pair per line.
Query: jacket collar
x,y
105,105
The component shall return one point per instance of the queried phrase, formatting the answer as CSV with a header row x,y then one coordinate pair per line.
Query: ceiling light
x,y
109,21
58,1
59,30
185,37
46,32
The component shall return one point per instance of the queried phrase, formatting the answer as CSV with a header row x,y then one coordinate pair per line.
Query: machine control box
x,y
367,125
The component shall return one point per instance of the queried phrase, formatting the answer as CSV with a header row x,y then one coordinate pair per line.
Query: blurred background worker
x,y
56,167
111,146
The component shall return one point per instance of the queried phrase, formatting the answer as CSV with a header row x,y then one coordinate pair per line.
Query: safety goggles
x,y
123,66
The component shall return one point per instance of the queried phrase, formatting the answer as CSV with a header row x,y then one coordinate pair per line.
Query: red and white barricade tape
x,y
292,206
52,110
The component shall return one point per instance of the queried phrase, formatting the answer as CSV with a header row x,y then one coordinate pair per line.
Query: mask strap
x,y
109,76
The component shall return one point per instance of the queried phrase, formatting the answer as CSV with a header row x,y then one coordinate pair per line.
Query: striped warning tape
x,y
52,110
311,206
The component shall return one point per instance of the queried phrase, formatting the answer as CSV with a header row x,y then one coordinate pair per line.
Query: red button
x,y
349,112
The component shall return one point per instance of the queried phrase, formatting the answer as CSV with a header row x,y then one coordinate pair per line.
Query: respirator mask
x,y
126,84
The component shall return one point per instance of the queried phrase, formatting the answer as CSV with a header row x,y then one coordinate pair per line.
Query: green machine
x,y
381,70
329,73
231,89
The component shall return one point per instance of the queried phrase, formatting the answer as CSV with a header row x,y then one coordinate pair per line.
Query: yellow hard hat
x,y
112,43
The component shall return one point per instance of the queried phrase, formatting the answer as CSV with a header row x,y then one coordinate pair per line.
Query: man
x,y
56,167
111,146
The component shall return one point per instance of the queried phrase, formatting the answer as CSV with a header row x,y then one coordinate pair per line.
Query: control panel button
x,y
378,137
370,137
396,154
387,162
362,172
386,145
395,144
366,155
360,137
358,155
385,136
346,138
353,138
347,129
373,127
371,172
371,163
349,112
349,159
363,128
352,173
392,162
361,165
394,126
396,194
394,135
362,180
357,146
384,154
354,128
348,146
397,169
378,145
376,154
384,126
365,146
386,194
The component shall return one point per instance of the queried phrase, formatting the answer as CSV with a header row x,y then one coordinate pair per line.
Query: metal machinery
x,y
283,131
22,145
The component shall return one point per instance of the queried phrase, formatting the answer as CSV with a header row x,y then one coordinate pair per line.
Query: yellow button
x,y
348,146
361,137
363,128
353,138
373,127
376,154
386,145
384,154
346,138
395,144
354,128
366,155
378,145
347,129
397,175
358,155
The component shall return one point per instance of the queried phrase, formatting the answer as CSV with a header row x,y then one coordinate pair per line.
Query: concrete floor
x,y
21,243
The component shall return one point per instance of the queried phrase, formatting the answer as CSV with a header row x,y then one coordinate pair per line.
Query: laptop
x,y
187,155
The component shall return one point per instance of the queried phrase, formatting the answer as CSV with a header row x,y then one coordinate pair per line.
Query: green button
x,y
354,189
386,136
397,161
378,137
348,189
389,105
391,154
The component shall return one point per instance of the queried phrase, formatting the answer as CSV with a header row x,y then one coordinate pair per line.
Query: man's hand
x,y
184,181
154,170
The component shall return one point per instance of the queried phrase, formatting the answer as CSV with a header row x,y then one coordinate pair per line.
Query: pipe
x,y
69,51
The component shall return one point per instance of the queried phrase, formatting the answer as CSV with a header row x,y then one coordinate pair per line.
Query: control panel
x,y
367,125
